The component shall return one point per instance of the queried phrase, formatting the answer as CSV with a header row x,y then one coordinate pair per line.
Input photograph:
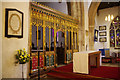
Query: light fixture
x,y
60,1
109,17
112,17
117,18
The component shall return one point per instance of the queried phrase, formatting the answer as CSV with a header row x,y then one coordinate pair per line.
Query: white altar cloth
x,y
81,62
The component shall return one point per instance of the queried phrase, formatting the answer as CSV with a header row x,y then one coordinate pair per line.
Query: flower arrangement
x,y
22,56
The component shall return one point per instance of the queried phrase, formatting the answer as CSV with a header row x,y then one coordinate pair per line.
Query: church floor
x,y
103,64
111,64
105,72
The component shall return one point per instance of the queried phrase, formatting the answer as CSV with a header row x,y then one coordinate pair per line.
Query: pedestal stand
x,y
22,73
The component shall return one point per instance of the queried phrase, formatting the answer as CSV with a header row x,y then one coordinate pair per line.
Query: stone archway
x,y
77,11
91,14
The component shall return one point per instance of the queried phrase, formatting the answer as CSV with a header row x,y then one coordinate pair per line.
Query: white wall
x,y
48,0
100,21
0,41
89,2
62,7
10,45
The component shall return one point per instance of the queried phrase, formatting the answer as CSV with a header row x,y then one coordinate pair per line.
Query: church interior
x,y
62,39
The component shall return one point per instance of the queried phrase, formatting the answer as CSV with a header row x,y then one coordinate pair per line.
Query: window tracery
x,y
115,33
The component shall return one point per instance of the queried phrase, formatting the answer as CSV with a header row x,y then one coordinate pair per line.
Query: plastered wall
x,y
10,45
100,21
0,41
62,7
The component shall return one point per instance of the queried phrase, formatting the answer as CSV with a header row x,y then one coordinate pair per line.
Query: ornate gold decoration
x,y
47,17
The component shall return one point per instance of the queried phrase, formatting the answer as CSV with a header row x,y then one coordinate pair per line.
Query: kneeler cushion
x,y
34,62
41,61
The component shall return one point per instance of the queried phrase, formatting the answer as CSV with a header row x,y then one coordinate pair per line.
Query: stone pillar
x,y
82,26
119,9
74,9
91,38
77,11
1,28
80,11
91,14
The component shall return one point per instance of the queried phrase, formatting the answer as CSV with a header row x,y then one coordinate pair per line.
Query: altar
x,y
82,61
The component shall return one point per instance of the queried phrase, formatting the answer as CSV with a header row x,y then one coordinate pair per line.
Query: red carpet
x,y
106,72
102,71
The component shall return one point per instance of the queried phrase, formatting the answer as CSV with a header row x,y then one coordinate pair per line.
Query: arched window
x,y
115,33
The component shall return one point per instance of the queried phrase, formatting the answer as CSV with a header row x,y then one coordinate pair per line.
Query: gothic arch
x,y
91,15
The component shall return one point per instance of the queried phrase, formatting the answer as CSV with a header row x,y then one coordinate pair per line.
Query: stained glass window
x,y
118,38
112,38
115,33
